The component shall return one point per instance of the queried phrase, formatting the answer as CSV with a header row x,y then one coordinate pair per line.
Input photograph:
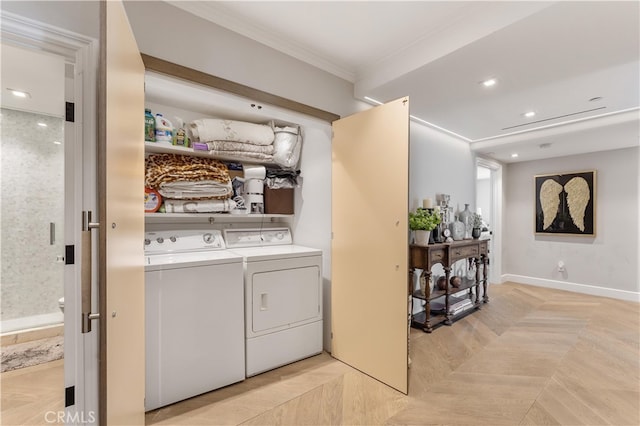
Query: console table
x,y
424,257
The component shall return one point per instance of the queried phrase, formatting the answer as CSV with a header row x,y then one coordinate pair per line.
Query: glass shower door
x,y
31,218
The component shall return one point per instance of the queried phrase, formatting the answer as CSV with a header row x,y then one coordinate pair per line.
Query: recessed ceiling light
x,y
19,93
57,142
514,155
529,114
42,124
490,82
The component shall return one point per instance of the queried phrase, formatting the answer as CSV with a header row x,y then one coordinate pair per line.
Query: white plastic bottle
x,y
164,129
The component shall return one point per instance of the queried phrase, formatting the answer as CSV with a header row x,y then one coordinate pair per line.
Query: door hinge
x,y
69,255
69,396
70,112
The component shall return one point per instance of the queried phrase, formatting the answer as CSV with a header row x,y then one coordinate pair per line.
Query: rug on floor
x,y
31,353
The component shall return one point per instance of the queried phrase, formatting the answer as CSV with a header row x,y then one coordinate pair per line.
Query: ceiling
x,y
36,73
575,64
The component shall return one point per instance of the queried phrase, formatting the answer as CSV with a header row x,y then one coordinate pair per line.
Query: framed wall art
x,y
565,203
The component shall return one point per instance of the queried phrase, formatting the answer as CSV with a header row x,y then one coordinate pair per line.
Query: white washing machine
x,y
283,297
194,311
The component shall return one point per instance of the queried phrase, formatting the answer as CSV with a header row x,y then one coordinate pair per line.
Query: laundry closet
x,y
241,291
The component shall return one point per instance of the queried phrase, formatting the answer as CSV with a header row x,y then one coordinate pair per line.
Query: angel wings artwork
x,y
565,203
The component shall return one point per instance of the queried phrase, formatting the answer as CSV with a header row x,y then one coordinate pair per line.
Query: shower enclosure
x,y
31,219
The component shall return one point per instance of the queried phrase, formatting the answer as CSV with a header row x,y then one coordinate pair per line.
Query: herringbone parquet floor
x,y
533,356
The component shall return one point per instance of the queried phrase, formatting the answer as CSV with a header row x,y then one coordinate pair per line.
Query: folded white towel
x,y
210,129
196,189
198,206
239,147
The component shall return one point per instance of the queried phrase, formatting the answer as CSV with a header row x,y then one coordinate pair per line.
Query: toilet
x,y
61,304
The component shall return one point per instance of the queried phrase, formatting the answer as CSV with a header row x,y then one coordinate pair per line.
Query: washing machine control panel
x,y
236,238
183,241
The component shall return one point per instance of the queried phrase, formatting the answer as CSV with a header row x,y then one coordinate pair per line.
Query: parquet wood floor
x,y
532,356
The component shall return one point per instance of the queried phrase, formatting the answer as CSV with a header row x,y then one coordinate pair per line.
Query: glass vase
x,y
466,217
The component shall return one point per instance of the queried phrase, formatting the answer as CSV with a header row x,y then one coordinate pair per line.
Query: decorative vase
x,y
457,230
424,284
421,237
465,217
475,233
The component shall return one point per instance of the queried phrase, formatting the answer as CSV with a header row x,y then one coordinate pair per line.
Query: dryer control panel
x,y
256,237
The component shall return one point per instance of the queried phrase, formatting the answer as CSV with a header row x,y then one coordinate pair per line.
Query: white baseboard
x,y
632,296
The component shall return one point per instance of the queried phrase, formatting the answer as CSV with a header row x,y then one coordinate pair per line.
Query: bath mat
x,y
31,353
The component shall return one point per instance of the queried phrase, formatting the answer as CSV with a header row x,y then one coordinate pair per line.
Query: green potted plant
x,y
422,222
476,221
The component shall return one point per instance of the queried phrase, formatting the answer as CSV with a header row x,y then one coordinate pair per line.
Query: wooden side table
x,y
446,254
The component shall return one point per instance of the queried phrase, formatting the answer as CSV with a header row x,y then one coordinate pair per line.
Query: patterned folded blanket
x,y
209,129
180,176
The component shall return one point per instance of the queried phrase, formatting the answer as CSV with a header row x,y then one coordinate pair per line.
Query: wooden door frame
x,y
495,268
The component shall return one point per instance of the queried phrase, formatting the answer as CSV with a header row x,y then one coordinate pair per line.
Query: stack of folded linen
x,y
190,184
233,140
248,142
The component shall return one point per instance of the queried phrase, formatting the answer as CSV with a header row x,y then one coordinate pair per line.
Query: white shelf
x,y
213,218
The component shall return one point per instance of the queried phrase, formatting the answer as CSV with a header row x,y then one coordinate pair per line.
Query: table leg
x,y
477,303
427,307
485,262
447,314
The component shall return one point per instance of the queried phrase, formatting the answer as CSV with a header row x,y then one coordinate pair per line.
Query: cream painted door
x,y
120,194
369,252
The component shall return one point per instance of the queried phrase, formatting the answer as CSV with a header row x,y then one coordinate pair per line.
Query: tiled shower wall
x,y
31,196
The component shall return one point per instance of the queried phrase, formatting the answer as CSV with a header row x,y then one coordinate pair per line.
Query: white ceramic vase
x,y
421,237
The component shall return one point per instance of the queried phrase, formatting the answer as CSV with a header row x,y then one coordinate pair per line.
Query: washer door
x,y
285,298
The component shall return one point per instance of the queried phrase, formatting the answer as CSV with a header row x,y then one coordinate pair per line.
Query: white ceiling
x,y
548,57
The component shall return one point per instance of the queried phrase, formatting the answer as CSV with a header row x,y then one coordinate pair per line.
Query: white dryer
x,y
194,312
283,297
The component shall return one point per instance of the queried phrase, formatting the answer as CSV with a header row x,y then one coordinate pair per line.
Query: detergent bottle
x,y
164,129
149,126
180,136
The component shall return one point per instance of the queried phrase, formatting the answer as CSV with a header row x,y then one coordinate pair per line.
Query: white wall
x,y
170,33
605,265
439,164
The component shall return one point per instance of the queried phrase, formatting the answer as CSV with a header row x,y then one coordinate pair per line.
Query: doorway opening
x,y
32,206
489,205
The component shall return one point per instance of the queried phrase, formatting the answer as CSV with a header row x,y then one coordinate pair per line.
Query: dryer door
x,y
284,298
